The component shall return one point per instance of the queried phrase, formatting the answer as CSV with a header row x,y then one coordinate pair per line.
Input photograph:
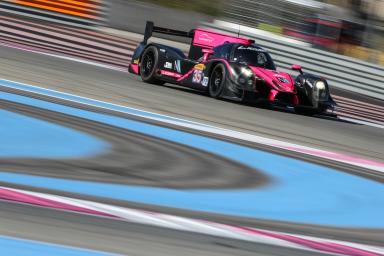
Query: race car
x,y
230,67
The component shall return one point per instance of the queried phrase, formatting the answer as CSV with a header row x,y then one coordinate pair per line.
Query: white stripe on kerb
x,y
195,225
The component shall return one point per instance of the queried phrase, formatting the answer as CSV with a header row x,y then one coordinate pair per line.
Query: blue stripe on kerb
x,y
21,247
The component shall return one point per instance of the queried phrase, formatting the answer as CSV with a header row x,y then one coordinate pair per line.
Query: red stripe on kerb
x,y
10,195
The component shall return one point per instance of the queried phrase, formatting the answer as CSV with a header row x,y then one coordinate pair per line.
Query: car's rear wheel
x,y
217,81
148,65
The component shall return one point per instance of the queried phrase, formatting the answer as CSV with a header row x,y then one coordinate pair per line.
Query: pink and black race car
x,y
229,67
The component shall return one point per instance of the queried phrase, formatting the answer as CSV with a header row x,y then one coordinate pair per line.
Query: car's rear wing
x,y
151,28
201,38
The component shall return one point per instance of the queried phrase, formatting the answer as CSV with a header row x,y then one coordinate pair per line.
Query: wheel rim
x,y
217,79
147,64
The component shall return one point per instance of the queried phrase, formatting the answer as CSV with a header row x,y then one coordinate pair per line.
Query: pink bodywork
x,y
135,68
296,67
280,82
283,80
206,54
210,39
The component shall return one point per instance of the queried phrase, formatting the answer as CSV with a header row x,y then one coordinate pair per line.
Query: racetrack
x,y
122,88
117,165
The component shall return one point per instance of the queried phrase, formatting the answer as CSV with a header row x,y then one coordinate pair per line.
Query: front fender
x,y
242,77
232,88
313,91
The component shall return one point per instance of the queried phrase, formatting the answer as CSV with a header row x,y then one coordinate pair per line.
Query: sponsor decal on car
x,y
205,81
206,38
200,67
169,73
283,80
197,75
168,65
242,47
162,50
136,61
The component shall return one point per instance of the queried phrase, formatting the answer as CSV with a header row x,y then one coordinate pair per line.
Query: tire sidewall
x,y
219,92
151,76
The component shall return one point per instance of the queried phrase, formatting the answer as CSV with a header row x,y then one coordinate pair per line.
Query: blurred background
x,y
349,27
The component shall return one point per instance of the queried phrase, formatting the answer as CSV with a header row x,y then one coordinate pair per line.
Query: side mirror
x,y
207,53
297,68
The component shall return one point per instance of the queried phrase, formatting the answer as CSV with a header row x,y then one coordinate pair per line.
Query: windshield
x,y
254,56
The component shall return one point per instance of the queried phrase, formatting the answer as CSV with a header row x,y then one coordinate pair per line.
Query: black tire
x,y
148,65
217,81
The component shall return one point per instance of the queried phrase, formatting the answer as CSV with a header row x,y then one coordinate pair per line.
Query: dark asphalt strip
x,y
134,159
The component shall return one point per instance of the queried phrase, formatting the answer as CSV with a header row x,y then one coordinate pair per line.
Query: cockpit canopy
x,y
251,54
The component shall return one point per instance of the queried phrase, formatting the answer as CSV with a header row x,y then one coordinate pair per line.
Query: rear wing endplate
x,y
151,28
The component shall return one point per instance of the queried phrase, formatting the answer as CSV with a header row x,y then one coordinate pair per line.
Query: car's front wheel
x,y
148,65
217,81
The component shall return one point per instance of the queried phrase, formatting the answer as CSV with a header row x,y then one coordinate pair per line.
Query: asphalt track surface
x,y
112,86
126,89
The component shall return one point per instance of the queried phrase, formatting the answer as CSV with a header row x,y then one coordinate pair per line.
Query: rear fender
x,y
134,66
166,54
210,65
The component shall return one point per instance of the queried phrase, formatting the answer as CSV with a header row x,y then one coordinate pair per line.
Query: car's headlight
x,y
320,85
246,72
320,90
244,76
